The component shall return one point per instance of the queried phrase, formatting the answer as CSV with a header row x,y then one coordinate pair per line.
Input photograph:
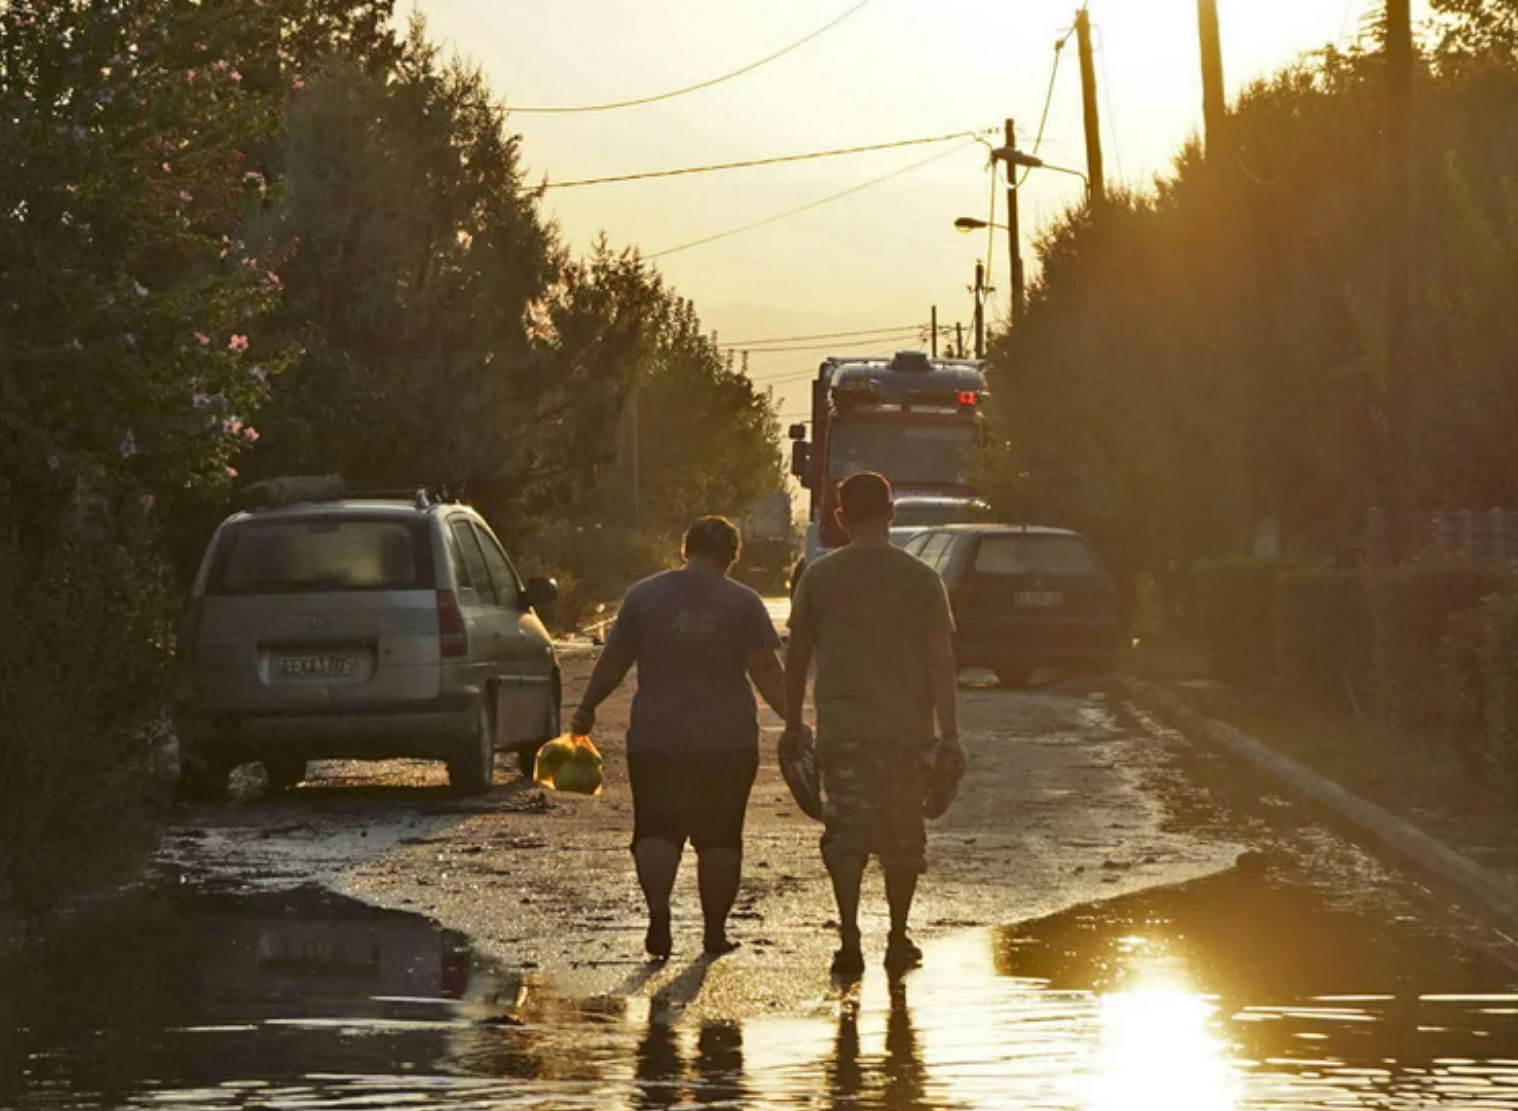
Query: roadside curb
x,y
1379,828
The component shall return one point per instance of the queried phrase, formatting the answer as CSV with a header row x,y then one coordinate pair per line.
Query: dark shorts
x,y
701,797
872,805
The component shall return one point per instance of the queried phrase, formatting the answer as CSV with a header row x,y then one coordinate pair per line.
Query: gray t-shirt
x,y
691,632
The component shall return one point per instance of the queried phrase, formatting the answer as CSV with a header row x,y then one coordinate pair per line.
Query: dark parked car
x,y
1024,597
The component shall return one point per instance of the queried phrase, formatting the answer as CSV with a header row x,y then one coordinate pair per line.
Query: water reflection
x,y
1226,995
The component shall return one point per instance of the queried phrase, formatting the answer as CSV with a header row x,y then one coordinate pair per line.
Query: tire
x,y
203,778
472,767
527,756
284,772
1012,676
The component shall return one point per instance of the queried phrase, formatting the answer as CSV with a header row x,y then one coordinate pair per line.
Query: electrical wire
x,y
821,335
813,204
1043,117
744,164
671,94
1112,128
907,334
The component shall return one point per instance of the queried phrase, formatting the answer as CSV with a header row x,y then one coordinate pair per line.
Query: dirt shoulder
x,y
1062,806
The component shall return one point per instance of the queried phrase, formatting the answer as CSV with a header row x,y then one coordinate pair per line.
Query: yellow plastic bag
x,y
569,763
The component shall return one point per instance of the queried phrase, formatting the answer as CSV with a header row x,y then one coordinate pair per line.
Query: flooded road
x,y
1244,990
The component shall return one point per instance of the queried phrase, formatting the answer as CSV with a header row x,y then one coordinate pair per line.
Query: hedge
x,y
1498,657
1235,603
1323,636
1410,613
1464,702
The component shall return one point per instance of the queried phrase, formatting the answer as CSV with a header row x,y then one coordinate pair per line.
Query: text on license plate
x,y
1040,599
318,666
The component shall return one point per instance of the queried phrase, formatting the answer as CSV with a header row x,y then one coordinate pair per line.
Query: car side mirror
x,y
541,593
801,457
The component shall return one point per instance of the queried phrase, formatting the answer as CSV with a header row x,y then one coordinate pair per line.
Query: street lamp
x,y
970,223
1014,157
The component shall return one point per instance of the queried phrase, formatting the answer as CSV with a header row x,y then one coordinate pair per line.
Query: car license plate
x,y
1040,599
324,665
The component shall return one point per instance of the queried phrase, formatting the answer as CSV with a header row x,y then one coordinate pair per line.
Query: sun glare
x,y
1157,1050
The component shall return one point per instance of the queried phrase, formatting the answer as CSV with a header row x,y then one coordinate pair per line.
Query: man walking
x,y
878,622
693,744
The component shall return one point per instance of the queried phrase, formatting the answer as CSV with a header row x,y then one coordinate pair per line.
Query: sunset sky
x,y
896,69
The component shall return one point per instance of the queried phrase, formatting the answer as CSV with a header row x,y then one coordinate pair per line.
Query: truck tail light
x,y
452,636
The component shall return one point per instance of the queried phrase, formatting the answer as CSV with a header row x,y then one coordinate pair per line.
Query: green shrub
x,y
1410,611
84,677
1498,659
1323,636
1464,697
1235,619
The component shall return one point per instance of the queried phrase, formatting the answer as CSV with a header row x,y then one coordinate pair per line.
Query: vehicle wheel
x,y
284,772
527,756
472,766
1012,676
203,778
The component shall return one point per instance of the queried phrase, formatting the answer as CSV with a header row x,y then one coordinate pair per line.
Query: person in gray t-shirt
x,y
693,745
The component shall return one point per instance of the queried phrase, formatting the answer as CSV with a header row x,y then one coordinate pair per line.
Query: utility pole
x,y
959,335
1400,335
980,309
1014,228
1214,102
1094,169
933,333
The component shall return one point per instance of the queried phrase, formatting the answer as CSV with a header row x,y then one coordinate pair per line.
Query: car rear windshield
x,y
352,553
1035,555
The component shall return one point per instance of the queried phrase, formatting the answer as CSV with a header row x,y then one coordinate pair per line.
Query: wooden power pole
x,y
1094,168
980,309
1214,101
933,333
1014,230
1400,334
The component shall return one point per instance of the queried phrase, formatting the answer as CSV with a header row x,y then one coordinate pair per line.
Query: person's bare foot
x,y
901,954
719,944
658,941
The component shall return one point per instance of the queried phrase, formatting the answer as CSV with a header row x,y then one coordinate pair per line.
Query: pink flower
x,y
189,75
273,279
72,188
231,472
298,84
250,434
238,343
185,196
236,78
221,65
202,339
167,168
232,425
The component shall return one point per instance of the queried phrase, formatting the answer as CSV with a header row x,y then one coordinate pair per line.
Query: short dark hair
x,y
865,497
713,538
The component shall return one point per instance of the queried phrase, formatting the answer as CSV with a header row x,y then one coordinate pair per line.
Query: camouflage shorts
x,y
872,805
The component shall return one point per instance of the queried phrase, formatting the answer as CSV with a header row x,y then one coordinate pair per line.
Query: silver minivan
x,y
357,628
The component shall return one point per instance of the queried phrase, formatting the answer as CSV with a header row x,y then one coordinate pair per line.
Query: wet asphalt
x,y
1114,919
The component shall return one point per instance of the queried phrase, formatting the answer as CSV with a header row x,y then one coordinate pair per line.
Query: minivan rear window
x,y
1035,555
325,554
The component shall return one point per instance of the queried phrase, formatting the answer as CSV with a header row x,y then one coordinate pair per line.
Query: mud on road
x,y
1065,802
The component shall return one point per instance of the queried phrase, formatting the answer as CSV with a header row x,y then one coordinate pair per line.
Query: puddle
x,y
1229,993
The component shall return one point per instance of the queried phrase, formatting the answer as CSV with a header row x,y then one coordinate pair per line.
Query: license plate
x,y
318,666
1040,599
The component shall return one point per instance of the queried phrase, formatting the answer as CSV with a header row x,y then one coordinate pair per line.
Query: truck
x,y
768,541
912,418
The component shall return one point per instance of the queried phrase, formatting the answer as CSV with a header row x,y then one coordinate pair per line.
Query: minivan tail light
x,y
189,631
452,637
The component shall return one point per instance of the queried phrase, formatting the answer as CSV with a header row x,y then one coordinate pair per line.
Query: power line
x,y
744,164
1043,118
782,52
907,333
813,204
821,335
